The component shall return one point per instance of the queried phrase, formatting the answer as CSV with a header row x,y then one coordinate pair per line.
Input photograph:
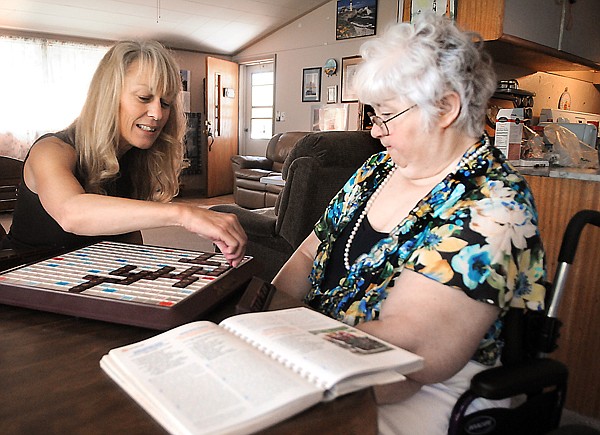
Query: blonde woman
x,y
115,169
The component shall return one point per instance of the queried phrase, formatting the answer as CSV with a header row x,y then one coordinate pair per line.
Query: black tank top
x,y
366,237
33,227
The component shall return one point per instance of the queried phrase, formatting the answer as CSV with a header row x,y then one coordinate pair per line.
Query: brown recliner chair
x,y
248,191
315,169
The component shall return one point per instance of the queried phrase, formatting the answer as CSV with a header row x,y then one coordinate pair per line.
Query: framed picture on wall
x,y
355,18
311,84
332,94
349,65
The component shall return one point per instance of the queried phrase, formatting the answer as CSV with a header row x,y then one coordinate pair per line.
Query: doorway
x,y
257,107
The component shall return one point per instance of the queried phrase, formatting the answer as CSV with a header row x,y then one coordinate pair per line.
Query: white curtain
x,y
43,85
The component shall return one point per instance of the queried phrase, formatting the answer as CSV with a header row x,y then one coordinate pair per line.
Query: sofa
x,y
11,171
314,170
248,190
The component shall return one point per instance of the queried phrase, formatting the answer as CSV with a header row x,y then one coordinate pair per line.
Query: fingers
x,y
233,257
233,242
224,230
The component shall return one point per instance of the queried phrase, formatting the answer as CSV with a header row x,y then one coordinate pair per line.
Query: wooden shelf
x,y
516,51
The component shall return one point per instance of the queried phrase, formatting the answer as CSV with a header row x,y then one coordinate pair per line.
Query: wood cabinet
x,y
541,35
557,200
581,35
538,21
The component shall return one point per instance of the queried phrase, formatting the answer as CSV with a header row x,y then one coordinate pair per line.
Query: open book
x,y
252,370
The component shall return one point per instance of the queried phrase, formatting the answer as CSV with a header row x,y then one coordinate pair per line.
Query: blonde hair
x,y
154,172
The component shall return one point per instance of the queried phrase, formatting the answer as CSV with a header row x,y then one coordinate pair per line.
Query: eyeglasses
x,y
381,123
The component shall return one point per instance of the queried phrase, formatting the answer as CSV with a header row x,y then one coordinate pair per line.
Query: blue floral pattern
x,y
475,231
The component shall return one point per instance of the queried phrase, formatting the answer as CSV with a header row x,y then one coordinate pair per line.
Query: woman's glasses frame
x,y
382,123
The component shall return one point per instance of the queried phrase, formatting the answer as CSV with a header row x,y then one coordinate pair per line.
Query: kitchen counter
x,y
561,172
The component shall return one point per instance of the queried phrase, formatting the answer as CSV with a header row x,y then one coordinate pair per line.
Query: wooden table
x,y
51,382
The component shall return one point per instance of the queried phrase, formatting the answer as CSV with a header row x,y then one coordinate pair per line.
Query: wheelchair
x,y
538,382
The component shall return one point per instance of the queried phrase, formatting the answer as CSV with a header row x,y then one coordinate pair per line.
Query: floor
x,y
176,237
205,202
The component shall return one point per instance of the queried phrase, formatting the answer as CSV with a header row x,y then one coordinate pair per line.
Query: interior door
x,y
222,124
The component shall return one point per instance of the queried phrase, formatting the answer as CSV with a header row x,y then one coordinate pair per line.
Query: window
x,y
261,117
43,85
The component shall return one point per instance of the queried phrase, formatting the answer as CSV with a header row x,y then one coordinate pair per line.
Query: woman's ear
x,y
449,109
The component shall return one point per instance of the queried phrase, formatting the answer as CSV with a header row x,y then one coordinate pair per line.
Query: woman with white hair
x,y
429,242
115,170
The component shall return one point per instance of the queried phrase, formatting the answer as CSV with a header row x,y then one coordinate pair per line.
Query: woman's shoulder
x,y
53,142
373,162
378,158
52,146
63,137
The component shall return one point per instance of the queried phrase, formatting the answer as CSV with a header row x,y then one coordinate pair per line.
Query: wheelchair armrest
x,y
521,378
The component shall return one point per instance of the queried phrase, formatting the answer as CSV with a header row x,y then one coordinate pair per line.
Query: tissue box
x,y
509,133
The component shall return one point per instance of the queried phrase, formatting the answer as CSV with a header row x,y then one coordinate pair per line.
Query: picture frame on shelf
x,y
355,21
349,65
332,94
311,84
329,117
364,120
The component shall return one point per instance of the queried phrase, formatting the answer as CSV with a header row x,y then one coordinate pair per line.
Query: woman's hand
x,y
223,229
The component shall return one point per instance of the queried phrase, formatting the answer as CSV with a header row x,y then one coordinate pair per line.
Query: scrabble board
x,y
149,286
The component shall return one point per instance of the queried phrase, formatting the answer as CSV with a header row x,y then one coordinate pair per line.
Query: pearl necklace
x,y
363,214
464,163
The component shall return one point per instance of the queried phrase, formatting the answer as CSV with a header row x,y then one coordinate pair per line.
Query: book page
x,y
324,349
198,378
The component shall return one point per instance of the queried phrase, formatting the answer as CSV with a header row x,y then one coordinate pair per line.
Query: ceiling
x,y
213,26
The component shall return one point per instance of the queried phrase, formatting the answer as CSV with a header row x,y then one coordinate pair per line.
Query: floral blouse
x,y
475,231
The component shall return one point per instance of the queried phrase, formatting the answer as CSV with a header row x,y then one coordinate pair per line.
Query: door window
x,y
261,111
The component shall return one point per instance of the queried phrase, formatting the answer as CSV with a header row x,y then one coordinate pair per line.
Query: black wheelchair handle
x,y
573,231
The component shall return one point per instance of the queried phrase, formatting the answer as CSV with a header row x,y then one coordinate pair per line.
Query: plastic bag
x,y
570,151
534,147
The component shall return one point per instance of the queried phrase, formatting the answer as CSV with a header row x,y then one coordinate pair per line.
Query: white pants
x,y
428,411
